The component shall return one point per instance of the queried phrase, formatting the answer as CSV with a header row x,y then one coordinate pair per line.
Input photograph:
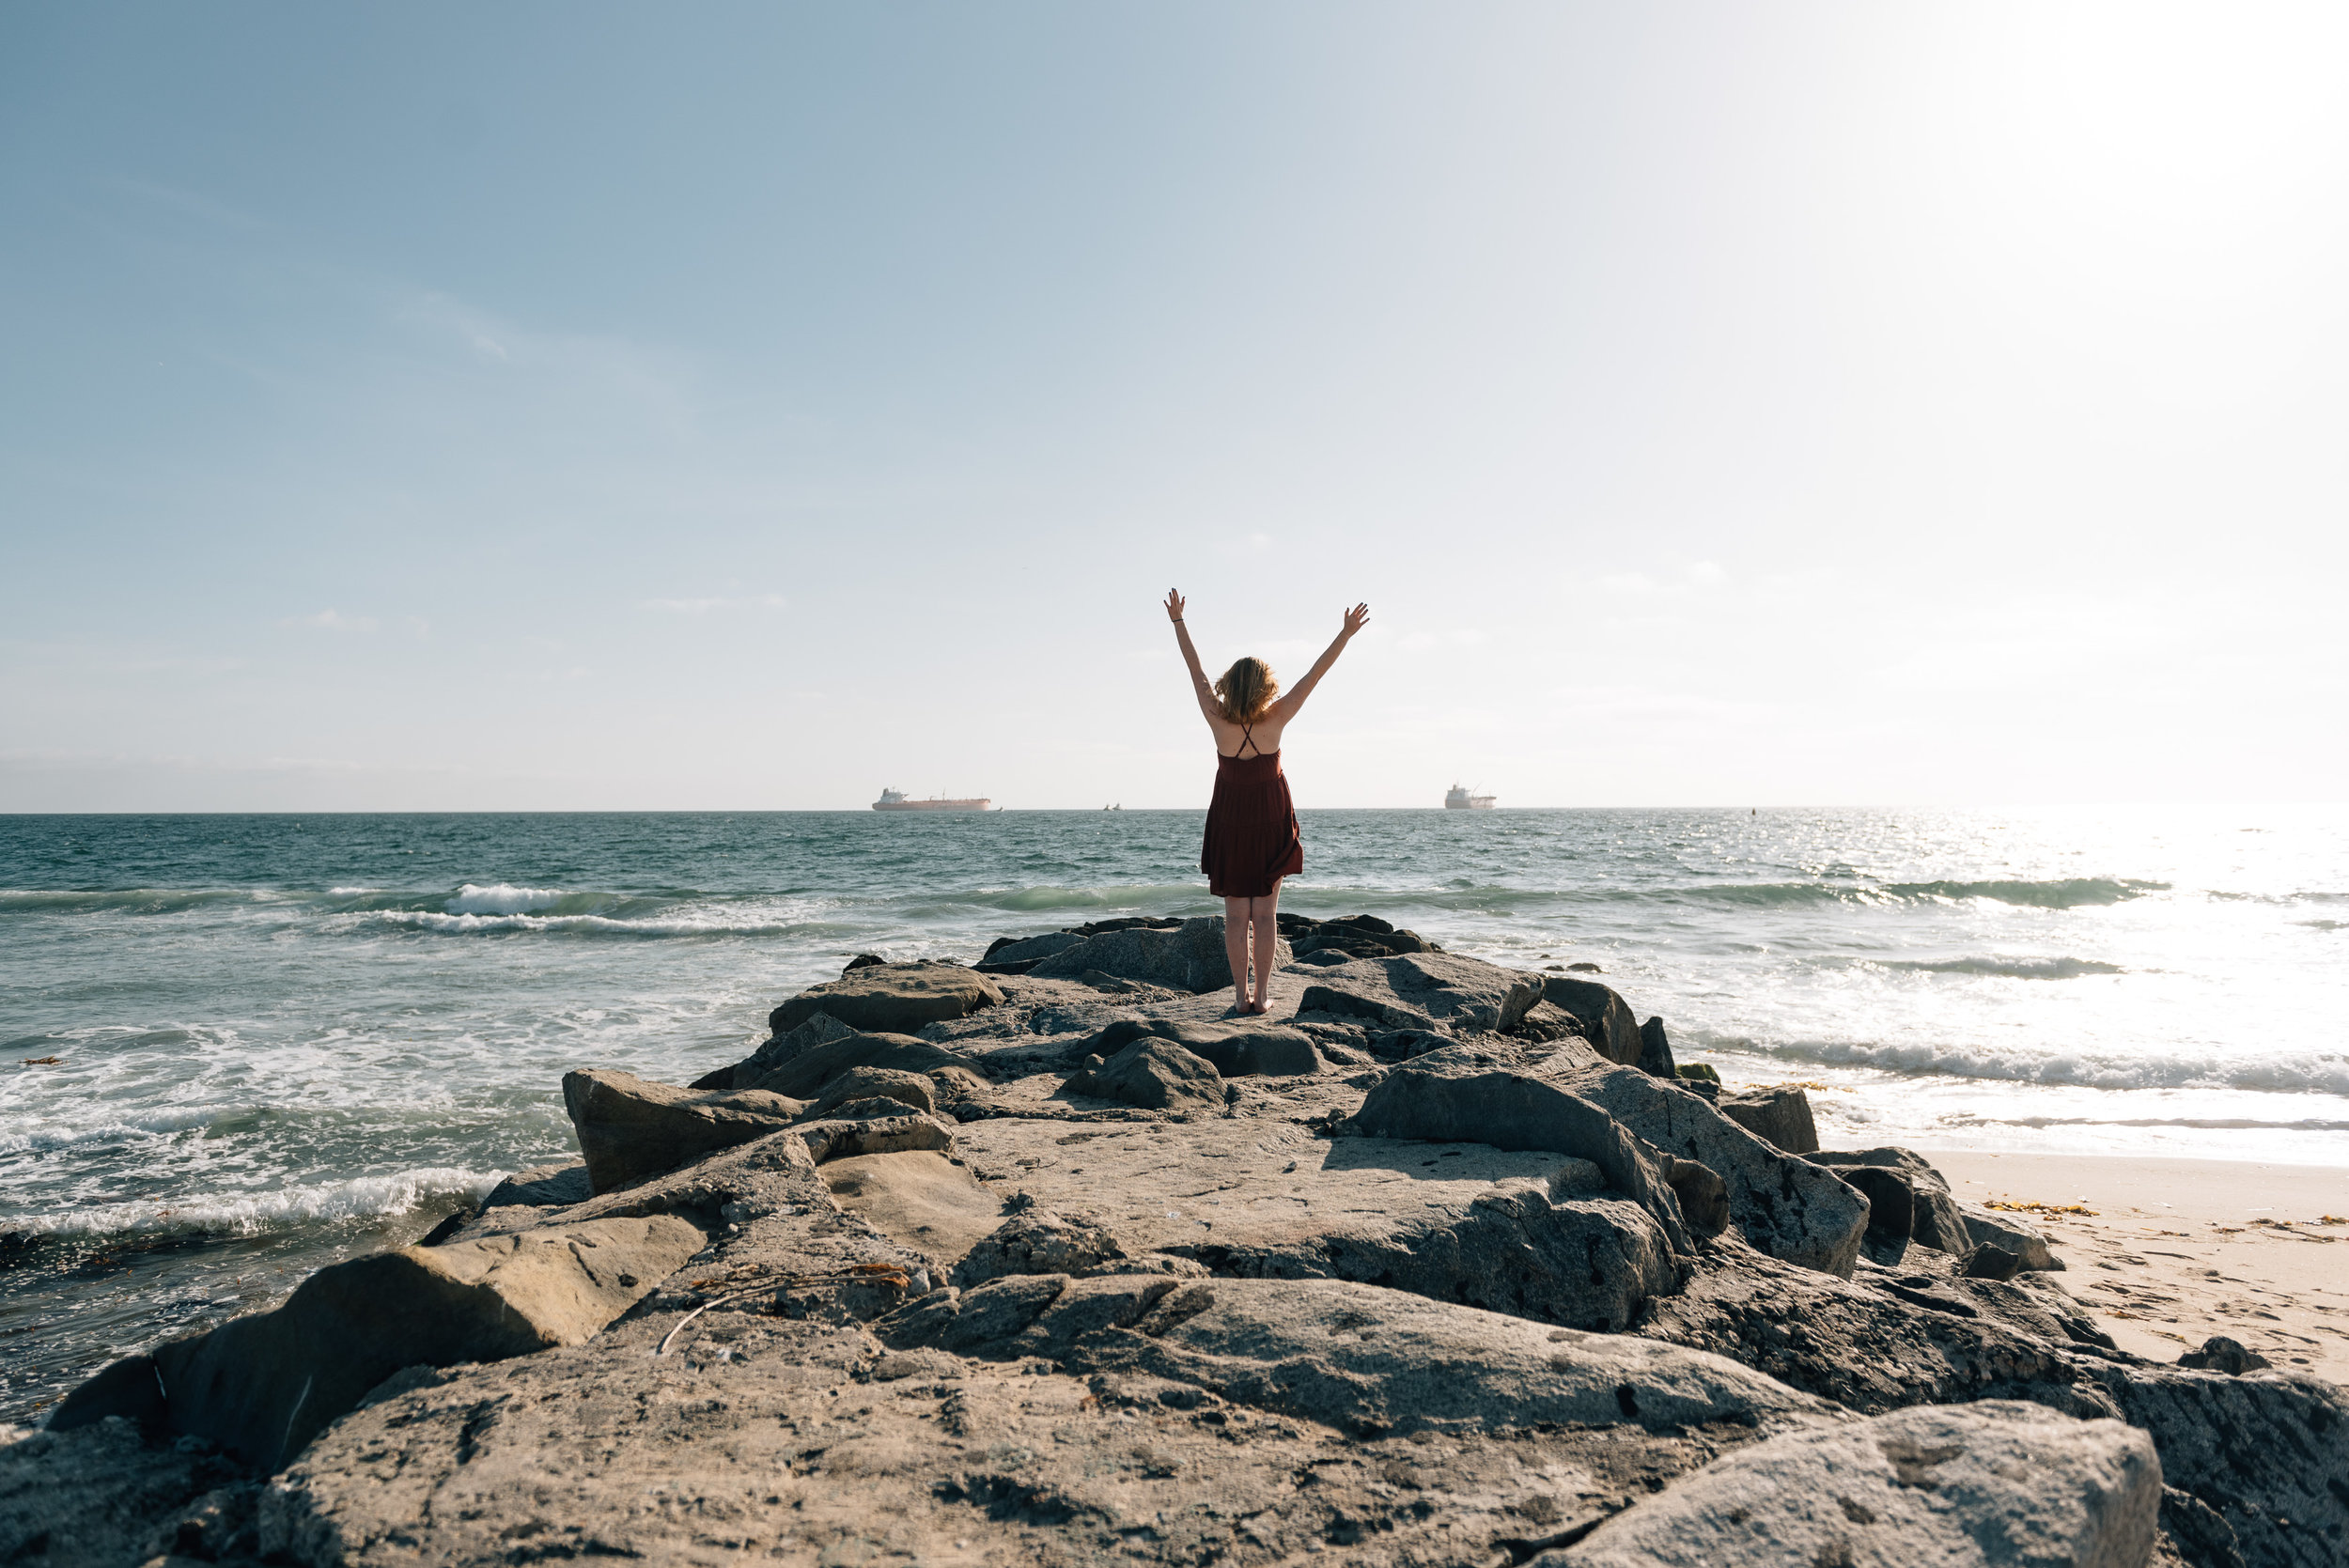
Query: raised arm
x,y
1286,707
1209,708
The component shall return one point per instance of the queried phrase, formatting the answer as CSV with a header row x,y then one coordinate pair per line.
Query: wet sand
x,y
2177,1250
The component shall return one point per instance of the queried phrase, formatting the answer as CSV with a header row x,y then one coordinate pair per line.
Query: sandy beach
x,y
2170,1252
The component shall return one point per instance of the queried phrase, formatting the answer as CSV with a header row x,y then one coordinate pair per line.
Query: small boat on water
x,y
894,800
1459,799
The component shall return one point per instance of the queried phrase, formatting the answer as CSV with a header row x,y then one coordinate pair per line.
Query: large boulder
x,y
820,1030
1780,1115
630,1128
883,1086
1188,958
892,998
1785,1206
1655,1051
1424,991
1935,1219
1154,1074
1238,1048
2002,1229
1607,1022
809,1073
1459,1095
1020,955
261,1387
1886,1338
542,1187
2268,1456
1984,1485
1350,936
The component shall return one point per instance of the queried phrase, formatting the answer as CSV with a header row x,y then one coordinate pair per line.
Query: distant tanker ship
x,y
1459,799
894,800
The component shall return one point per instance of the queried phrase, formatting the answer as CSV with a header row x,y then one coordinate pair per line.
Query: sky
x,y
585,406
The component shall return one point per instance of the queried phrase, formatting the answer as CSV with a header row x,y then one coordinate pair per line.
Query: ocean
x,y
280,1040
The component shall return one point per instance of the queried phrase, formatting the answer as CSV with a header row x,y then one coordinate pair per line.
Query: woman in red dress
x,y
1251,838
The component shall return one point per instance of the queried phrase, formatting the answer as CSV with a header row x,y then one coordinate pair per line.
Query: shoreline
x,y
2175,1250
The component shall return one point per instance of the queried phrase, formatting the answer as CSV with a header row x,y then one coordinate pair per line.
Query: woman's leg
x,y
1264,931
1236,947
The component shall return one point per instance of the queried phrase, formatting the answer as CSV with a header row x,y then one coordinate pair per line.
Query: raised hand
x,y
1174,605
1356,619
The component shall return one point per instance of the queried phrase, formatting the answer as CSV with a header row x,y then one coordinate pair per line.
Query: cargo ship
x,y
1459,799
894,800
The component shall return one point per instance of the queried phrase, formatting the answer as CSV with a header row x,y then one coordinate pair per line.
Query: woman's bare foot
x,y
1256,1009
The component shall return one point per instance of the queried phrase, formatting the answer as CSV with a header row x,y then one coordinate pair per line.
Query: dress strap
x,y
1248,738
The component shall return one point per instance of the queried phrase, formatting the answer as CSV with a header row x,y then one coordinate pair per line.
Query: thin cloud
x,y
330,620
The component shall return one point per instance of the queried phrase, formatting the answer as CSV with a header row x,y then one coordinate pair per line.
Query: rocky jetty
x,y
1048,1260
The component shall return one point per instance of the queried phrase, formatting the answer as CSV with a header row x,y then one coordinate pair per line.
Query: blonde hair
x,y
1246,690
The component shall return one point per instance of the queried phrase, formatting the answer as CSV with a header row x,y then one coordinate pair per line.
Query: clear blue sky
x,y
434,406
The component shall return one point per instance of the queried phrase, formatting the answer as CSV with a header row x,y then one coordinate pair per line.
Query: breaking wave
x,y
504,899
2062,893
360,1198
711,925
2316,1072
2010,968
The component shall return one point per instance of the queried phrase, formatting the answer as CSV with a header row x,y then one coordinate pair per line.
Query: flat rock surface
x,y
1532,1233
779,1428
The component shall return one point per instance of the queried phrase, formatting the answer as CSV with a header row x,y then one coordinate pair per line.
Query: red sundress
x,y
1252,840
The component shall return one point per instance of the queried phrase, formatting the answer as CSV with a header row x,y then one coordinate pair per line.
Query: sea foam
x,y
357,1198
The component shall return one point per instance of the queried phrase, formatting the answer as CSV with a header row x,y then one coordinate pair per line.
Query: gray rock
x,y
1881,1340
1935,1221
1780,1116
1189,957
820,1030
1655,1051
1349,1356
1424,991
1037,1241
1703,1196
808,1075
1530,1232
1156,1073
1998,1228
262,1385
1991,1263
630,1128
2269,1453
1351,937
2221,1353
542,1187
1787,1207
99,1496
1546,1021
1997,1485
847,1136
904,1091
892,998
1450,1096
1240,1049
1608,1022
1030,950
